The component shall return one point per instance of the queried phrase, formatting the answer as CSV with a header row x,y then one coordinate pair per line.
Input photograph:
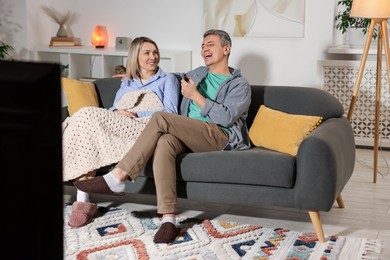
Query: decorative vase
x,y
62,32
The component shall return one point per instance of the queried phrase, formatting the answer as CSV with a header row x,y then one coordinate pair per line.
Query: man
x,y
214,108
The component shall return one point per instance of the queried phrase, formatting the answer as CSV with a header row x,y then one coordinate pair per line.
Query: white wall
x,y
178,24
13,26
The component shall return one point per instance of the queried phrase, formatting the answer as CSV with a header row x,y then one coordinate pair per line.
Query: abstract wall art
x,y
256,18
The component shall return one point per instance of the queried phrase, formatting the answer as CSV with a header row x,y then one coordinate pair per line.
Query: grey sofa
x,y
311,181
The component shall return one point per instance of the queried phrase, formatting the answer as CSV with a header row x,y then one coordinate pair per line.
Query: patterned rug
x,y
122,234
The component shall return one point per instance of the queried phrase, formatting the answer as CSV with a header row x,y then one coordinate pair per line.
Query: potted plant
x,y
4,50
354,27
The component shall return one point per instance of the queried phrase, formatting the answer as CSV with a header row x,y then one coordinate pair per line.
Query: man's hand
x,y
189,90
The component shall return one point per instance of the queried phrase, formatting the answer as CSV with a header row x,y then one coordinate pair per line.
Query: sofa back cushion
x,y
106,89
294,100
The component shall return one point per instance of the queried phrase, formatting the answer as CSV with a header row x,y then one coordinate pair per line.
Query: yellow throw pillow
x,y
281,131
79,94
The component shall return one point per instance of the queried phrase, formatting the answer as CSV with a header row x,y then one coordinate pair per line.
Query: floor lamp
x,y
378,11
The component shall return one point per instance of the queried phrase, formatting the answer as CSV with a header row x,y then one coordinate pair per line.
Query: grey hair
x,y
224,36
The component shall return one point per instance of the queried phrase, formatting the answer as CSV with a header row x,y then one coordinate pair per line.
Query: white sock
x,y
82,196
114,183
169,219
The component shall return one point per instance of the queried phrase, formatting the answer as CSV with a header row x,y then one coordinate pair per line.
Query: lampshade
x,y
371,8
100,36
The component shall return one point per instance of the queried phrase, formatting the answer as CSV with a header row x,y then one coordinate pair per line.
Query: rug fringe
x,y
371,246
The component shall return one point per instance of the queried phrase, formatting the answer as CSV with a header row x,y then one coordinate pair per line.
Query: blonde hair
x,y
132,68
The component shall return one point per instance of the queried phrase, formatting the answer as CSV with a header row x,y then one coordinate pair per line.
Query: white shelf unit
x,y
100,63
338,77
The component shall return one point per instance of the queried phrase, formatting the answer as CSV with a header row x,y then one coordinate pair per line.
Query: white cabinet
x,y
100,63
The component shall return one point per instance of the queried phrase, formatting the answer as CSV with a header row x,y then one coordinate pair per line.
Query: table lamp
x,y
100,36
378,11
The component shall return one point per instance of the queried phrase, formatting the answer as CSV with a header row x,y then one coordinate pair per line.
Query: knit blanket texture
x,y
95,137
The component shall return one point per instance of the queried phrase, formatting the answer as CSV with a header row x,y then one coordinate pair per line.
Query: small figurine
x,y
120,70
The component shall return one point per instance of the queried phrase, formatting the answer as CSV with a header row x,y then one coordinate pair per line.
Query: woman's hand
x,y
126,113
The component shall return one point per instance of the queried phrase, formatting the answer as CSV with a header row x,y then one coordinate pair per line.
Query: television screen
x,y
31,160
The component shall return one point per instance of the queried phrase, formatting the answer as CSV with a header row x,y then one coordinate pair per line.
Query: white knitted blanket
x,y
95,137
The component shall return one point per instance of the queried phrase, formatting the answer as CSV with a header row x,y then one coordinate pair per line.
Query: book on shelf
x,y
63,39
64,42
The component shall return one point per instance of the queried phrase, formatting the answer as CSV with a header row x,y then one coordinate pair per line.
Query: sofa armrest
x,y
325,162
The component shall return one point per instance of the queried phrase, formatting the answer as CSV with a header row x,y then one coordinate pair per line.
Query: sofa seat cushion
x,y
255,166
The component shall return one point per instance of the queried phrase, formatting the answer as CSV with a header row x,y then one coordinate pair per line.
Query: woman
x,y
96,137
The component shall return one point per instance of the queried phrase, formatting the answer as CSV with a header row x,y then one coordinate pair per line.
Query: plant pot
x,y
356,38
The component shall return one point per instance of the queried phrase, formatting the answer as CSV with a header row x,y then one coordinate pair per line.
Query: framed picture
x,y
256,18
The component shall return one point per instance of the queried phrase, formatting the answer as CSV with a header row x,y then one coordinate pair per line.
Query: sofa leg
x,y
315,219
340,201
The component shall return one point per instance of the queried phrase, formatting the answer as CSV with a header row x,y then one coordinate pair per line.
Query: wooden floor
x,y
366,213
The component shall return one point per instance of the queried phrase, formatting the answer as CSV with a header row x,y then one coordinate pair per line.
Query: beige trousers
x,y
166,136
